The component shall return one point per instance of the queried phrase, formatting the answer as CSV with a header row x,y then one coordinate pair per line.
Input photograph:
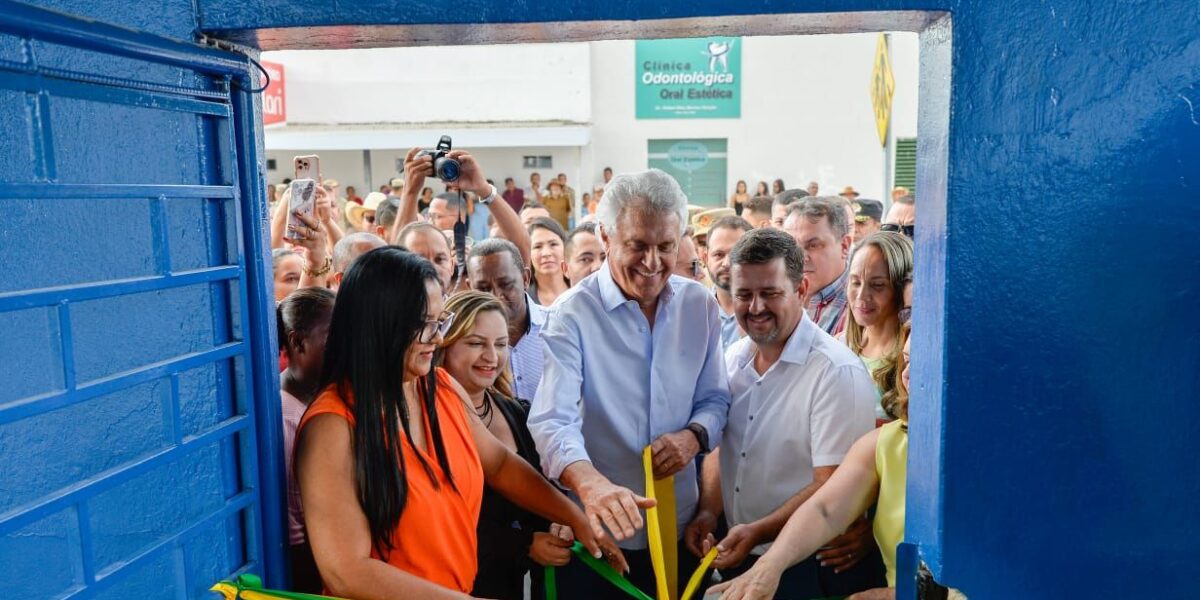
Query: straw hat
x,y
355,211
703,220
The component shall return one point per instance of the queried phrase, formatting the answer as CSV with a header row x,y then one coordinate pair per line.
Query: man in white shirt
x,y
533,193
800,400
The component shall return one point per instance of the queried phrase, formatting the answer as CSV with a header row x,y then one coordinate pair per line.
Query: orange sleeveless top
x,y
435,538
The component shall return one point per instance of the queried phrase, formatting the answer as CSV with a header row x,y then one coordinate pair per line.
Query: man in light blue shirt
x,y
633,358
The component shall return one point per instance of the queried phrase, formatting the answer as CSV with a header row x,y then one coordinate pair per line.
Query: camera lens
x,y
446,169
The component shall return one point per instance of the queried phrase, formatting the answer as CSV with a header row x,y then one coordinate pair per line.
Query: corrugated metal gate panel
x,y
129,444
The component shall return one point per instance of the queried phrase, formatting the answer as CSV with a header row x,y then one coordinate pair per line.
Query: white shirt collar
x,y
794,351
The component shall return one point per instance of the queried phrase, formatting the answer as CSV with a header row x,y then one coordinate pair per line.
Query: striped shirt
x,y
827,308
526,357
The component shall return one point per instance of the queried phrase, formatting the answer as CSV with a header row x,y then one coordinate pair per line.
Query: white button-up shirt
x,y
612,384
804,412
526,357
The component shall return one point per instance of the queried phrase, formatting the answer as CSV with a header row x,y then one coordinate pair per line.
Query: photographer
x,y
419,165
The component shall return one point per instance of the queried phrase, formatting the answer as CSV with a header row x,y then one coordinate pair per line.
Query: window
x,y
905,166
537,162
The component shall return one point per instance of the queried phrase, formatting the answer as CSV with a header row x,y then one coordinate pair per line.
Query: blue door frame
x,y
81,527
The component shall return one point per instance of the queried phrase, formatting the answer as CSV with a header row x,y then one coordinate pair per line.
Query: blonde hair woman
x,y
879,269
474,350
873,472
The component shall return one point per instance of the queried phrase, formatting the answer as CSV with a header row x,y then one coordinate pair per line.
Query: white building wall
x,y
806,109
346,166
498,163
342,165
806,112
516,82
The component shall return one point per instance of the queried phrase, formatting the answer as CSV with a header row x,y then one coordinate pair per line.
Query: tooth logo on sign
x,y
718,53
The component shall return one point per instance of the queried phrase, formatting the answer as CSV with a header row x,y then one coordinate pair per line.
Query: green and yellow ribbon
x,y
662,530
250,587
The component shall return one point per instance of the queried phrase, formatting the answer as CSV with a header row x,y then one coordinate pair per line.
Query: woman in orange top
x,y
400,523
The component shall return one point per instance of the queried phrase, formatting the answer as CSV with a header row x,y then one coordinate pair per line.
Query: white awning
x,y
384,136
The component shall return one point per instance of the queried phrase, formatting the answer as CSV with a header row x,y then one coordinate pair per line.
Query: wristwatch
x,y
490,197
701,435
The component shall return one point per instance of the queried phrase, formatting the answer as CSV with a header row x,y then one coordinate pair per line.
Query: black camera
x,y
444,167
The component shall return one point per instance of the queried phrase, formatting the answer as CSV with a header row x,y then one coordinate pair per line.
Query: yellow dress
x,y
891,464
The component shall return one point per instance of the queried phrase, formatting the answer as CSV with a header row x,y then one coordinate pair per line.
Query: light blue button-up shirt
x,y
730,332
611,385
525,358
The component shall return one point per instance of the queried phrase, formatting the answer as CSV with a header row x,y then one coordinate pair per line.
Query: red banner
x,y
274,98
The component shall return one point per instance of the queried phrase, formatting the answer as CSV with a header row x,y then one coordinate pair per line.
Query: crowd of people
x,y
459,410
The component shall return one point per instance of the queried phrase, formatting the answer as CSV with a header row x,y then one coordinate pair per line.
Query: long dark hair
x,y
556,228
379,313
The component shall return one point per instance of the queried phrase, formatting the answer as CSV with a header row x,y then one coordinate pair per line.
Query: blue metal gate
x,y
139,416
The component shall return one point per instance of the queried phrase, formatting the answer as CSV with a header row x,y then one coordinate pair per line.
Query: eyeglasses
x,y
897,228
435,329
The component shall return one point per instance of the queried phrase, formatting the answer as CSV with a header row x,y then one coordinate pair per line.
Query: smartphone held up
x,y
307,167
303,200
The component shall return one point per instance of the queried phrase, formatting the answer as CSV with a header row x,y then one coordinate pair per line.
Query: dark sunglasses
x,y
904,229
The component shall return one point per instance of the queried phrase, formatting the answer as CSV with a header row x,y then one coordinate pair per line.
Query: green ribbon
x,y
550,585
601,568
251,582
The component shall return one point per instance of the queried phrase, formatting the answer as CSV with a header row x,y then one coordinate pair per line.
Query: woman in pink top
x,y
303,322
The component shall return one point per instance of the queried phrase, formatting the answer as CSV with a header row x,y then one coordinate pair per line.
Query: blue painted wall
x,y
1056,361
131,313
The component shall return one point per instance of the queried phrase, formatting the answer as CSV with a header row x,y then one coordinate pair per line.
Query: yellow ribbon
x,y
660,528
663,533
249,587
698,574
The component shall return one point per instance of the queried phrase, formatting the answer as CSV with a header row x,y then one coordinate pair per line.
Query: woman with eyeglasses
x,y
390,460
474,351
874,472
546,253
879,267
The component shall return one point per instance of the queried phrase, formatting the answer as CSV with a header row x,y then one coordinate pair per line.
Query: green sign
x,y
695,78
698,165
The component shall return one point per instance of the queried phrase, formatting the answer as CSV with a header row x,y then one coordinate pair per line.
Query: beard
x,y
716,278
768,337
